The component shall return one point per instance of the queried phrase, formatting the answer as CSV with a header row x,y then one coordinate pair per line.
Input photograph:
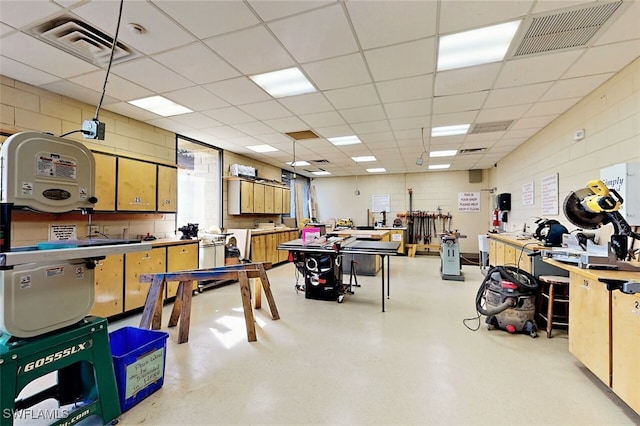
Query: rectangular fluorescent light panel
x,y
321,173
377,170
262,148
439,166
344,140
459,129
364,159
287,82
445,153
161,106
475,47
298,163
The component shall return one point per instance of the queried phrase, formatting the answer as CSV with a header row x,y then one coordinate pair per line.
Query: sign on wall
x,y
62,232
528,194
549,194
468,201
380,203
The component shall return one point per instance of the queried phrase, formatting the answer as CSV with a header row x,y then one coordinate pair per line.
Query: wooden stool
x,y
555,289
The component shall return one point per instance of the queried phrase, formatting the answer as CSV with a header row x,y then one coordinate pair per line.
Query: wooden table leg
x,y
245,292
152,313
185,317
267,292
257,292
177,307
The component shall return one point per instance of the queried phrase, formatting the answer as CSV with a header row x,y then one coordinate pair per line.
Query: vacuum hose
x,y
508,303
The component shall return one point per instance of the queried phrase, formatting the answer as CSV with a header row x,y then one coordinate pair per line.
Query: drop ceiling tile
x,y
402,60
371,127
457,103
516,95
406,89
22,72
323,119
5,29
361,114
353,97
197,63
229,115
575,87
37,54
382,23
409,123
408,108
161,33
519,133
274,138
196,98
196,120
238,91
466,80
209,18
605,59
20,13
266,110
117,87
168,123
536,69
533,122
252,51
131,111
551,107
453,118
287,124
335,73
254,128
335,131
151,75
269,10
306,104
372,138
326,29
503,113
223,132
75,91
624,27
463,15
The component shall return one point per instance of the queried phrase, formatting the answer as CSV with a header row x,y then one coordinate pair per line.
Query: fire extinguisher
x,y
496,221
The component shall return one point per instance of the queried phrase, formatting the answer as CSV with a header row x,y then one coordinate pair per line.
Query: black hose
x,y
508,303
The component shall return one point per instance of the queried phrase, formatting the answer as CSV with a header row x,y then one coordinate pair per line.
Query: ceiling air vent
x,y
82,40
320,161
494,126
304,134
472,151
572,28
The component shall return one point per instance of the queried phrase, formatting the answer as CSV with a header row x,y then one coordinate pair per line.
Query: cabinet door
x,y
589,324
258,198
626,347
136,185
246,197
277,200
283,237
286,201
258,248
144,262
499,253
105,182
167,189
181,258
269,199
109,286
510,255
271,247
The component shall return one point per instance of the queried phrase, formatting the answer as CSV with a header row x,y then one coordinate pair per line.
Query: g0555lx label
x,y
55,356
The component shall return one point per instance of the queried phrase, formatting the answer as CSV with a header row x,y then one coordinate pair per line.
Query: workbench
x,y
515,250
349,247
604,329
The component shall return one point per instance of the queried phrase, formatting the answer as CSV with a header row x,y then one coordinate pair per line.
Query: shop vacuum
x,y
507,297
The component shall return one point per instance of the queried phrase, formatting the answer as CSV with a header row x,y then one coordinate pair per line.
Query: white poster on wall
x,y
468,201
380,203
549,194
528,195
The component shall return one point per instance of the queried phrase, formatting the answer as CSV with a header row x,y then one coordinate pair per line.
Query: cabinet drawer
x,y
181,258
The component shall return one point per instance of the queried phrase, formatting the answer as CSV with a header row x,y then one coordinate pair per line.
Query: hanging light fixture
x,y
420,160
357,191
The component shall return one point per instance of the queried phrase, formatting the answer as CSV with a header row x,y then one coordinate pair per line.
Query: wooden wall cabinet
x,y
105,182
239,197
258,198
151,261
108,278
136,185
181,258
247,197
167,189
286,201
269,199
278,194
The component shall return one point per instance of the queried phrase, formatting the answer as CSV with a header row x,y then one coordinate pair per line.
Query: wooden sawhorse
x,y
152,313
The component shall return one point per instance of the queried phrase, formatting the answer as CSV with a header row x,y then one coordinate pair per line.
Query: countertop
x,y
518,241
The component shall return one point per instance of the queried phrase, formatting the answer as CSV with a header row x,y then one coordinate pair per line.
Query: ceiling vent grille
x,y
472,151
82,40
494,126
565,30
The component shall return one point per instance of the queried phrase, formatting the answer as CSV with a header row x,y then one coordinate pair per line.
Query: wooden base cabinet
x,y
181,258
144,262
625,321
108,286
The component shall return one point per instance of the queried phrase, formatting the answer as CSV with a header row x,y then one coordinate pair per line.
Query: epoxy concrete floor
x,y
348,363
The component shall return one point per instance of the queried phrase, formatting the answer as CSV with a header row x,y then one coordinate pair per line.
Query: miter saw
x,y
597,205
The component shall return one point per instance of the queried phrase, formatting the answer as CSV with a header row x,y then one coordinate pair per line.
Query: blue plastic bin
x,y
139,357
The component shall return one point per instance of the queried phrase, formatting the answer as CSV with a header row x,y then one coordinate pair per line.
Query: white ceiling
x,y
373,63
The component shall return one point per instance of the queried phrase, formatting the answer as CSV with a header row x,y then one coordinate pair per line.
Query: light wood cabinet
x,y
167,189
625,319
271,247
144,262
286,201
239,197
105,182
136,185
181,258
269,199
247,197
258,248
258,198
589,324
108,278
277,200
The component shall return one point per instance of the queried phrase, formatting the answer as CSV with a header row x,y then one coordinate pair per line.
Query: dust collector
x,y
507,297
